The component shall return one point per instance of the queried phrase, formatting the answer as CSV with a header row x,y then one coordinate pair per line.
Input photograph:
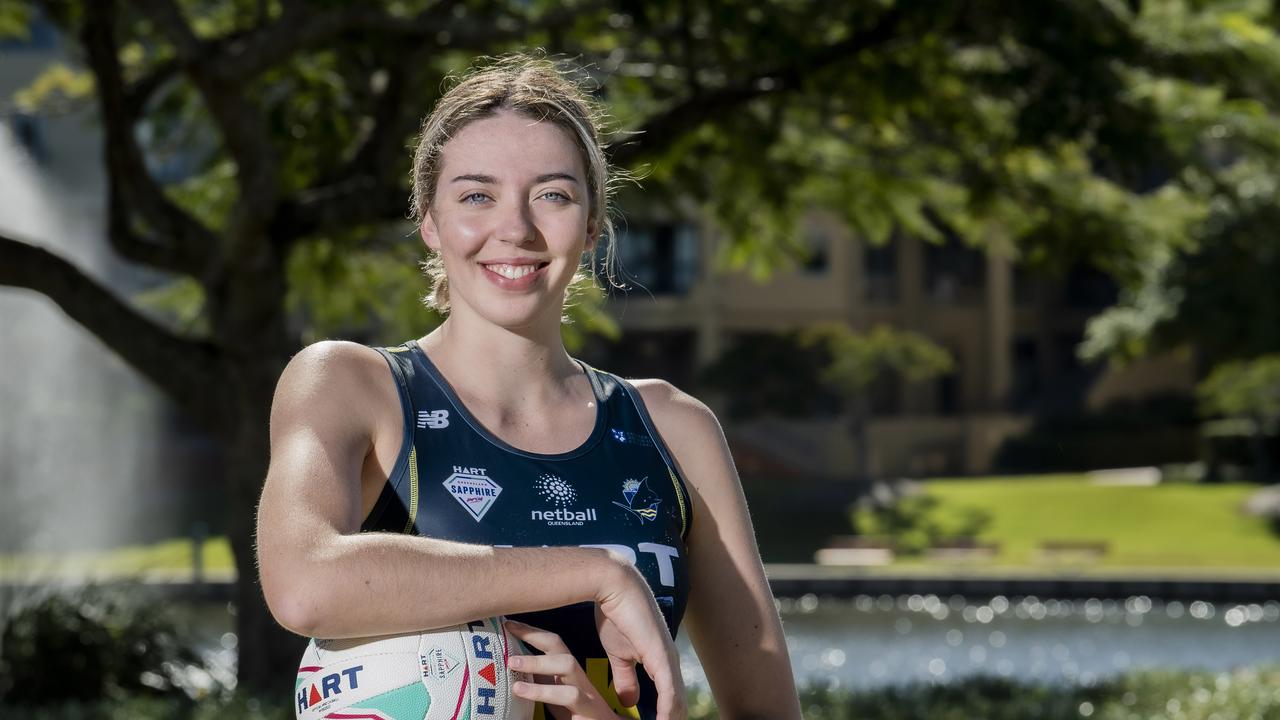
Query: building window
x,y
880,268
954,273
949,395
885,395
1026,373
662,259
818,253
1024,286
1089,288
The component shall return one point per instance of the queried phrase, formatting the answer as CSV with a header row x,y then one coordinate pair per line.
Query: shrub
x,y
99,642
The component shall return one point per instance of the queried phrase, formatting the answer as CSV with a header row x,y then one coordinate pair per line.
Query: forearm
x,y
367,584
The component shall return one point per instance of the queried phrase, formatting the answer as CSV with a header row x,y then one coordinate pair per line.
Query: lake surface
x,y
874,641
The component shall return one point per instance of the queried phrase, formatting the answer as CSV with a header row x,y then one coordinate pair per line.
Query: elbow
x,y
296,611
294,589
294,603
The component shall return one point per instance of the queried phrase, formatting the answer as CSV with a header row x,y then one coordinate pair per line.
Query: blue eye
x,y
474,198
558,196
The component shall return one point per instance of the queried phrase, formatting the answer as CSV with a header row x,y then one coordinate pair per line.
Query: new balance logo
x,y
434,419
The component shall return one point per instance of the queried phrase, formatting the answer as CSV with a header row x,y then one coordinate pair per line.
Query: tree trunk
x,y
859,425
1261,458
250,321
268,654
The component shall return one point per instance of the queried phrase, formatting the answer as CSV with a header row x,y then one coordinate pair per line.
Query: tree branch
x,y
238,119
334,199
352,201
700,107
298,29
131,184
377,198
183,368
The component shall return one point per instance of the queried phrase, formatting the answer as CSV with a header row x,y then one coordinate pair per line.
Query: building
x,y
1013,333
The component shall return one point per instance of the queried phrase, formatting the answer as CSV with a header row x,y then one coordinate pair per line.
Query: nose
x,y
516,225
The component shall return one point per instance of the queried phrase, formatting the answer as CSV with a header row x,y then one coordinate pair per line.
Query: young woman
x,y
480,470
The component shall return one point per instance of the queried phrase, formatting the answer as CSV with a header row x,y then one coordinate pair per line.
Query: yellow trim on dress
x,y
684,513
413,489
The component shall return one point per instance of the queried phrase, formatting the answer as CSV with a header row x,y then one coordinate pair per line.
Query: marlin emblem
x,y
641,501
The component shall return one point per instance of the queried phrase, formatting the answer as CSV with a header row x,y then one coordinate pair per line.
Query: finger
x,y
625,682
564,695
557,664
544,640
667,681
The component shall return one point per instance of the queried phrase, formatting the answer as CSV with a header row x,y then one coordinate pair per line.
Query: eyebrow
x,y
556,176
491,180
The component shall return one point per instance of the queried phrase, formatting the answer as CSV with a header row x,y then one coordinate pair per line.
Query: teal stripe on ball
x,y
410,702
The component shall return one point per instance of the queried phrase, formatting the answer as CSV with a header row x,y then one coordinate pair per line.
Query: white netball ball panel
x,y
449,674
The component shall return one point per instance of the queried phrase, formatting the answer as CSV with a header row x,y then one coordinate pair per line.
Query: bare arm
x,y
730,618
324,578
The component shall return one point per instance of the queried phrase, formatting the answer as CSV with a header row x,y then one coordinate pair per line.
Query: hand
x,y
632,630
562,685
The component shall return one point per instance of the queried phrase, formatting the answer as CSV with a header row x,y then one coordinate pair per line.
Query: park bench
x,y
855,550
1072,550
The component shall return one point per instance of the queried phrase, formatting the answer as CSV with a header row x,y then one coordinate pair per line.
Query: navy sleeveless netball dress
x,y
620,489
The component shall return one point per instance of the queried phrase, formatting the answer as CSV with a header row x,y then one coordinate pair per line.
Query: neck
x,y
501,367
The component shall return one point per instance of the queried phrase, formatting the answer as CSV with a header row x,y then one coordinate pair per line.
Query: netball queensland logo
x,y
558,492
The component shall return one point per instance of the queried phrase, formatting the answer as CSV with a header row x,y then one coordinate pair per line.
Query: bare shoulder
x,y
688,427
330,361
332,381
670,406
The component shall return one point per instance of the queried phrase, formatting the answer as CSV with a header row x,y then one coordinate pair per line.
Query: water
x,y
875,641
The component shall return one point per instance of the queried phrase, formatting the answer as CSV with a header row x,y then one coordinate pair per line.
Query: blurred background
x,y
982,292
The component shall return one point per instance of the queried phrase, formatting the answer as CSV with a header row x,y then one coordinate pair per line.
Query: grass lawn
x,y
169,556
1160,526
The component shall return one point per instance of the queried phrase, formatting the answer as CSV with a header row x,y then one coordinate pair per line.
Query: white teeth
x,y
511,272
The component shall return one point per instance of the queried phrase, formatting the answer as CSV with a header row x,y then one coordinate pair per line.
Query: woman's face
x,y
509,218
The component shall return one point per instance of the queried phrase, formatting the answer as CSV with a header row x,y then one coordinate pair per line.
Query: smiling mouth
x,y
515,272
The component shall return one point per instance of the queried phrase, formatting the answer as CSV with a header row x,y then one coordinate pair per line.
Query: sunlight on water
x,y
872,641
877,641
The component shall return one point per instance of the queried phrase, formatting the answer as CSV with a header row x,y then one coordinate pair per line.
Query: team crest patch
x,y
473,489
641,501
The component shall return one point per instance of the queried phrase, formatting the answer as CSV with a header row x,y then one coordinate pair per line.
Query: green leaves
x,y
859,359
1247,389
337,287
15,19
55,90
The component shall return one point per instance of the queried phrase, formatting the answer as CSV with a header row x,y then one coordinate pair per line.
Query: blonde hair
x,y
539,89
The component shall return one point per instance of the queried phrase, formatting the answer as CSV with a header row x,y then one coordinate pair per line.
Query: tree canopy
x,y
256,150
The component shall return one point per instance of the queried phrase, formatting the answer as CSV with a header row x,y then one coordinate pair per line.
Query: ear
x,y
427,229
593,236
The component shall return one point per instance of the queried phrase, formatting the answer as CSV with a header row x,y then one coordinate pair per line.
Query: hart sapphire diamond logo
x,y
438,664
473,489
